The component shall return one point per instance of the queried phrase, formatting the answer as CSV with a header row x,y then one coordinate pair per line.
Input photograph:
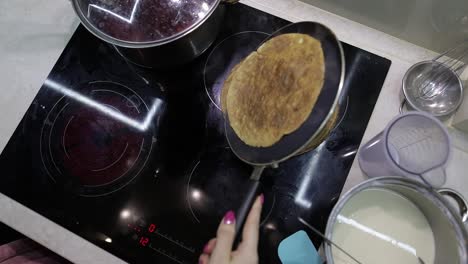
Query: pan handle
x,y
249,199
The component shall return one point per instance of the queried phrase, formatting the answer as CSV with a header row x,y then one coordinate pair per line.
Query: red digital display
x,y
144,241
151,228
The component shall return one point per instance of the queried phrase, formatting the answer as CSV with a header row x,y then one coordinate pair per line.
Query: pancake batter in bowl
x,y
381,226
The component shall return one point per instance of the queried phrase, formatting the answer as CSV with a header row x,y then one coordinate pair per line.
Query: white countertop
x,y
33,33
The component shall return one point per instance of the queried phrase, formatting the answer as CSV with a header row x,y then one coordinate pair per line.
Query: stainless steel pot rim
x,y
398,181
132,44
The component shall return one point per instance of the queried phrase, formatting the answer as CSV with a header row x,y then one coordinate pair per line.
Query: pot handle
x,y
402,106
461,202
229,2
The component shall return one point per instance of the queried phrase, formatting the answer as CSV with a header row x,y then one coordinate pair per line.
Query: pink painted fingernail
x,y
205,248
229,218
262,198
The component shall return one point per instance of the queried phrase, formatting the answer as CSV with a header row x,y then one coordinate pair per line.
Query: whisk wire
x,y
437,79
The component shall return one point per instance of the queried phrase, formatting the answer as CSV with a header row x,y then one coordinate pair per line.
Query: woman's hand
x,y
219,250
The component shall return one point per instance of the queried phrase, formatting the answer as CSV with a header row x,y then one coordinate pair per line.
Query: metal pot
x,y
160,34
450,235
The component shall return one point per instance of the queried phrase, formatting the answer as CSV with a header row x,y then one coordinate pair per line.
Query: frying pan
x,y
291,144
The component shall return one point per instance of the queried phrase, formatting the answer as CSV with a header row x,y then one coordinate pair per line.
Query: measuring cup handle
x,y
249,198
435,177
461,202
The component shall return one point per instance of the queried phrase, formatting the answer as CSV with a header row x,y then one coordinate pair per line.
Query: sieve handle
x,y
461,202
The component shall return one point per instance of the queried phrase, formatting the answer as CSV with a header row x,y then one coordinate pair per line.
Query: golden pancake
x,y
272,92
225,88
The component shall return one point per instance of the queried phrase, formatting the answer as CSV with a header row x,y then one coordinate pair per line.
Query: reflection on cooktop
x,y
217,183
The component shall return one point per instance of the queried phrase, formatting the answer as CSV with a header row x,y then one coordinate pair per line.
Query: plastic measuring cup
x,y
413,144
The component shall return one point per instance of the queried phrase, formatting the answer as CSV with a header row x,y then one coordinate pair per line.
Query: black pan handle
x,y
250,195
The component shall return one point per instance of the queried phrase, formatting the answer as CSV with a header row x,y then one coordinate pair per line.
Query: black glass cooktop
x,y
135,160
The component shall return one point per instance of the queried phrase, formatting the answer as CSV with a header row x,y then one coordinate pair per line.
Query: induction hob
x,y
135,159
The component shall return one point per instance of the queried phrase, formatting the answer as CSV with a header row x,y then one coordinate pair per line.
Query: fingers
x,y
204,259
218,250
251,227
208,249
224,239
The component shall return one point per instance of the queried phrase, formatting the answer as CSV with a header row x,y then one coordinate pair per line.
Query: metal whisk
x,y
436,78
